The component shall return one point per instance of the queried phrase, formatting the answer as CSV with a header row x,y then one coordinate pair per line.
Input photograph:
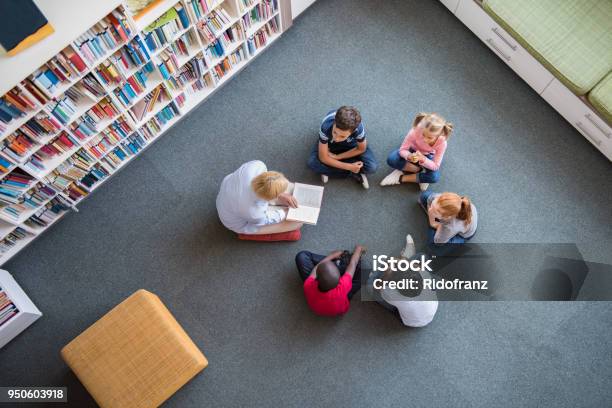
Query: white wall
x,y
297,6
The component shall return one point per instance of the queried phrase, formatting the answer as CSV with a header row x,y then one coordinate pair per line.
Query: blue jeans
x,y
370,165
425,176
431,232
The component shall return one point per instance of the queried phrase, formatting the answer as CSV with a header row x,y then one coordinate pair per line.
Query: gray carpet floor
x,y
154,226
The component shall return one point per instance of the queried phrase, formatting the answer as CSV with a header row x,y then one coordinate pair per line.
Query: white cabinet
x,y
580,115
502,43
450,4
298,6
28,313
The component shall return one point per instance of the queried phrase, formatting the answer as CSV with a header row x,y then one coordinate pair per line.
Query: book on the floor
x,y
309,200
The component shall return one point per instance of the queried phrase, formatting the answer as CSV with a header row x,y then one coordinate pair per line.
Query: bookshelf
x,y
17,311
109,91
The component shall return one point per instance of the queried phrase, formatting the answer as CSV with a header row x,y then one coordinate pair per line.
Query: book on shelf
x,y
49,213
104,36
169,64
63,68
163,30
34,90
13,238
309,198
8,308
14,186
244,5
40,126
15,104
260,13
94,176
213,25
148,103
18,146
133,86
108,138
229,62
61,144
260,38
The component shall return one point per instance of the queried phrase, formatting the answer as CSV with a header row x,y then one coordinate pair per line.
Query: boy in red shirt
x,y
330,281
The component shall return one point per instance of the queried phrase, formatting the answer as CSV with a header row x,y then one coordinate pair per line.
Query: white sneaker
x,y
409,250
324,178
364,181
423,186
392,179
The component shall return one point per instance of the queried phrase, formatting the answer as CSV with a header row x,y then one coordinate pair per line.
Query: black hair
x,y
328,276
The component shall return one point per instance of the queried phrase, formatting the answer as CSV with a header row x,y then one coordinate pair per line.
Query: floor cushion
x,y
601,97
136,355
572,38
295,235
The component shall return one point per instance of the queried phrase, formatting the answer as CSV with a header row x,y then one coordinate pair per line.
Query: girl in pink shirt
x,y
419,157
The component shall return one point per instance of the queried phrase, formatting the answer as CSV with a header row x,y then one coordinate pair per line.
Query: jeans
x,y
425,176
431,232
306,261
370,165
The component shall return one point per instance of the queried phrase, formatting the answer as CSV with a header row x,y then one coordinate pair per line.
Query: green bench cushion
x,y
572,38
601,97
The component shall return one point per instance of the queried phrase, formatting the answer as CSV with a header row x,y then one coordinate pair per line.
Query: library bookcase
x,y
81,104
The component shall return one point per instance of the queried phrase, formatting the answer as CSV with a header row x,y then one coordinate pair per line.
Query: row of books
x,y
108,138
8,309
228,63
76,192
89,123
134,85
148,103
66,106
94,176
64,68
5,165
213,25
12,239
216,50
197,9
18,146
14,185
205,82
49,213
103,37
40,126
33,199
184,44
118,66
262,12
169,65
163,30
192,70
231,36
15,104
60,145
153,127
260,38
246,4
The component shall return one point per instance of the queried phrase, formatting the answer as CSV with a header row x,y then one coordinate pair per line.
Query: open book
x,y
309,199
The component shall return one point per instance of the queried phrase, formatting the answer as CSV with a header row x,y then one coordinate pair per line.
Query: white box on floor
x,y
28,312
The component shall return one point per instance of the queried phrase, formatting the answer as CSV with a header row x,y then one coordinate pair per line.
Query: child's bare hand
x,y
356,167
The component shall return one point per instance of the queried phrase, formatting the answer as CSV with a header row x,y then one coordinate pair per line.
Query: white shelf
x,y
39,54
28,312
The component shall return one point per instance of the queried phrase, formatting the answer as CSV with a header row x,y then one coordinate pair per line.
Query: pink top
x,y
414,139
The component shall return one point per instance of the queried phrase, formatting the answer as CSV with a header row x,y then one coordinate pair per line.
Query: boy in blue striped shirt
x,y
342,149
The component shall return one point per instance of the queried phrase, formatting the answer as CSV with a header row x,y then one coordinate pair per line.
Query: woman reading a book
x,y
253,200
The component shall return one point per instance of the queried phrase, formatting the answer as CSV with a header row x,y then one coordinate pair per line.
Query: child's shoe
x,y
393,178
423,186
324,178
364,181
408,251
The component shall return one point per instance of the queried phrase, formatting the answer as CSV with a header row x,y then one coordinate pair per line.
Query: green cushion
x,y
601,97
572,38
